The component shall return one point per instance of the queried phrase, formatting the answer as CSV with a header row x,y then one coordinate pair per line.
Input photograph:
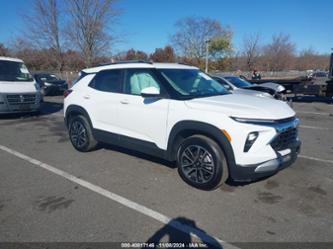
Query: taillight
x,y
67,92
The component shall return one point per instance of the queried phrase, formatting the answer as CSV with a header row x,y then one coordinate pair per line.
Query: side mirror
x,y
150,92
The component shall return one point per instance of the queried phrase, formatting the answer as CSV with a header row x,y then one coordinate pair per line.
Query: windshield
x,y
47,77
192,83
238,82
14,71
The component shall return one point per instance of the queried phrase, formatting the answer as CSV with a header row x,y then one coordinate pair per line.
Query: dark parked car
x,y
50,84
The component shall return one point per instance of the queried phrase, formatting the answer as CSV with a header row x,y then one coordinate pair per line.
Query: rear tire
x,y
202,163
80,134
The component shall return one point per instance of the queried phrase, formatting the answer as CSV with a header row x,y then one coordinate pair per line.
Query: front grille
x,y
283,140
21,99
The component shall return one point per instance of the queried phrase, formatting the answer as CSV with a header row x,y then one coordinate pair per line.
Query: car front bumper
x,y
247,173
19,103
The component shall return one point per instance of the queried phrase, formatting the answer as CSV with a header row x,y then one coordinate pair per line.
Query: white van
x,y
19,92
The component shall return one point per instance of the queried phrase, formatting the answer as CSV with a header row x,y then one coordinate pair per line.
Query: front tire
x,y
80,134
201,163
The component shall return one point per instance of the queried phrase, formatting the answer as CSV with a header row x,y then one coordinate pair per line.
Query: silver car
x,y
238,85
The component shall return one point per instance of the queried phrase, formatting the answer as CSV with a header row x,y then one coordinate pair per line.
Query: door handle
x,y
86,97
124,102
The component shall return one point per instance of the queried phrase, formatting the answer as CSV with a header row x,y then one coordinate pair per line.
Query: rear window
x,y
14,71
108,81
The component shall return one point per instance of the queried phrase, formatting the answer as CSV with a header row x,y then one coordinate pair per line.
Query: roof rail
x,y
124,62
183,63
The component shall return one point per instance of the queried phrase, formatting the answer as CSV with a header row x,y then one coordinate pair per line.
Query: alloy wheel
x,y
197,164
78,134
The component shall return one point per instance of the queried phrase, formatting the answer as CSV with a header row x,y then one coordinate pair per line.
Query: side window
x,y
108,81
138,79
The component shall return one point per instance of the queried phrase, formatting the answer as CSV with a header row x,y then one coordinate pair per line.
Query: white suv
x,y
178,113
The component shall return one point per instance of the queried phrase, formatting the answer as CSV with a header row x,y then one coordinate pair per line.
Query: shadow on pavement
x,y
171,165
48,108
233,183
179,230
166,163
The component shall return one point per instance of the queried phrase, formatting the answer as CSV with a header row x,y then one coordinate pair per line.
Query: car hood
x,y
276,87
251,92
17,87
243,106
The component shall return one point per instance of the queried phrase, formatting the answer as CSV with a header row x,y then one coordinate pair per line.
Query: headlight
x,y
254,120
47,84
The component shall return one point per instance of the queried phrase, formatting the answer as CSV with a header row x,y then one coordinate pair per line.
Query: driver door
x,y
141,118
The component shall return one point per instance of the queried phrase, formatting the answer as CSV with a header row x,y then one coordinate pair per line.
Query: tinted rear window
x,y
108,81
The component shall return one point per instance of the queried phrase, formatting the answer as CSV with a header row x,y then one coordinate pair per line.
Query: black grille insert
x,y
19,99
283,140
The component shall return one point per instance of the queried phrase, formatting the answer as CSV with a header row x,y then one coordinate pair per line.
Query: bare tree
x,y
165,54
280,54
133,54
193,33
310,59
3,50
251,50
44,28
88,26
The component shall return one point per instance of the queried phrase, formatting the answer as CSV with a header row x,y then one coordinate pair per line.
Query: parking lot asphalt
x,y
133,196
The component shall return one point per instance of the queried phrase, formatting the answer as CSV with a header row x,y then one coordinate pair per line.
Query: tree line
x,y
79,33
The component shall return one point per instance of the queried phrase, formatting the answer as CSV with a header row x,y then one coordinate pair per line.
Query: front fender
x,y
196,127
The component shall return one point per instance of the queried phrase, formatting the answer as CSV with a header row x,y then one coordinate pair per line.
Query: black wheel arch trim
x,y
209,130
76,109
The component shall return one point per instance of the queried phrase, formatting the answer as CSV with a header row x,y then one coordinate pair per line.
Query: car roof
x,y
122,65
3,58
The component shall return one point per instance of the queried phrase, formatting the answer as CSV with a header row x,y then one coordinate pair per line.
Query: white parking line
x,y
313,127
196,233
316,159
315,113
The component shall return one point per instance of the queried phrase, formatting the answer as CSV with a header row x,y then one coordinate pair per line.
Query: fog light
x,y
251,138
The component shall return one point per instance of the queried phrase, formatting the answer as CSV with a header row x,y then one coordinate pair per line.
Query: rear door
x,y
102,99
